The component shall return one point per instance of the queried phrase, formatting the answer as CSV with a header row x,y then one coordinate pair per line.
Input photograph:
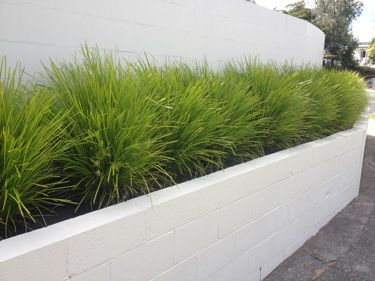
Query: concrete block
x,y
169,215
299,206
249,235
250,178
235,215
272,263
353,158
109,240
215,257
266,199
45,264
328,148
237,270
98,273
28,53
276,219
83,7
291,187
145,262
9,20
301,159
184,271
195,236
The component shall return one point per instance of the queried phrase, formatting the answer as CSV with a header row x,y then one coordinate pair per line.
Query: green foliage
x,y
118,149
371,51
283,105
30,147
365,71
334,18
351,97
299,10
338,98
98,131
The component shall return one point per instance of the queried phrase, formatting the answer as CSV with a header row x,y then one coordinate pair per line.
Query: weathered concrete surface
x,y
344,250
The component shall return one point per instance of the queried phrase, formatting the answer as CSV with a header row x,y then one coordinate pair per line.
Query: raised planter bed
x,y
235,224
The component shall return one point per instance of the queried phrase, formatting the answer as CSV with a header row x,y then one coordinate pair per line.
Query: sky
x,y
363,27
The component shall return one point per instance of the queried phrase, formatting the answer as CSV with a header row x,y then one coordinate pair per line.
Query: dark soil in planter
x,y
58,214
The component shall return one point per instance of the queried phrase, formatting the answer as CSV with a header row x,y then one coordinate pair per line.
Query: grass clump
x,y
282,104
351,96
30,147
117,150
98,131
209,118
336,99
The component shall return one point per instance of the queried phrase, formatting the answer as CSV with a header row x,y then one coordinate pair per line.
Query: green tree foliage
x,y
299,10
334,18
371,51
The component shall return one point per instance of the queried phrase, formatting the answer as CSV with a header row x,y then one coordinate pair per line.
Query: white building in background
x,y
361,53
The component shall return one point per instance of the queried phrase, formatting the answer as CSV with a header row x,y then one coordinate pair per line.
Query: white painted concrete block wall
x,y
31,31
232,225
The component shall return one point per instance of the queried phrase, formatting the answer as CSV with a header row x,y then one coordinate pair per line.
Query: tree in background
x,y
299,10
371,51
334,18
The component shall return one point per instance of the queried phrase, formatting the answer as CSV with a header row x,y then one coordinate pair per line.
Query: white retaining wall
x,y
34,30
232,225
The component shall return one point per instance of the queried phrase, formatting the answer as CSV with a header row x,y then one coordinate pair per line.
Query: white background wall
x,y
34,30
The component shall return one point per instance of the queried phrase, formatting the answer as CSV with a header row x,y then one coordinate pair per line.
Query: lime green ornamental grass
x,y
30,148
99,131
